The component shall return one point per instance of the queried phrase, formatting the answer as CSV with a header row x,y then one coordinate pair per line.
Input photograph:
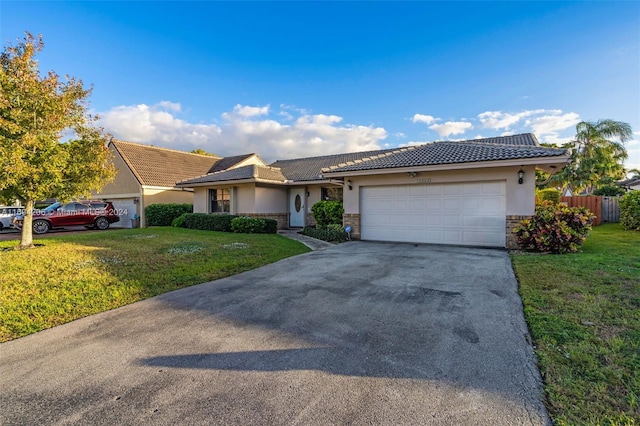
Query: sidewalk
x,y
312,243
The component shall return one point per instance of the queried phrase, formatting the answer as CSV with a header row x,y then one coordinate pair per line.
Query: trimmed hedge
x,y
226,223
548,194
164,214
327,213
630,211
253,225
327,234
555,228
209,222
178,222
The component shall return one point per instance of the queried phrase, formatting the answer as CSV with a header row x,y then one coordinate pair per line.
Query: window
x,y
333,193
219,201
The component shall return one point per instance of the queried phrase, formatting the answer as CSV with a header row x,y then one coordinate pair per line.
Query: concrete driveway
x,y
361,333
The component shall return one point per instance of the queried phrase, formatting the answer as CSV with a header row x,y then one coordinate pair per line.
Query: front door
x,y
296,207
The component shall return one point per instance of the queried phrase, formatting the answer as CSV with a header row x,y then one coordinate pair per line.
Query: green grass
x,y
583,310
69,277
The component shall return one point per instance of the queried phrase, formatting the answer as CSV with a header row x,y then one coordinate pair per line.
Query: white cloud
x,y
248,111
156,124
243,130
550,124
504,120
426,119
451,128
400,135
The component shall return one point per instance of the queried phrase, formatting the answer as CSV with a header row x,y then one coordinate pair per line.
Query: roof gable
x,y
235,161
153,166
250,172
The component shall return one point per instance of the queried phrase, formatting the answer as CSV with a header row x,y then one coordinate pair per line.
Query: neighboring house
x,y
630,184
469,192
148,175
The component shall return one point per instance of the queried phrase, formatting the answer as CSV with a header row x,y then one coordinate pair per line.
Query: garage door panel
x,y
464,213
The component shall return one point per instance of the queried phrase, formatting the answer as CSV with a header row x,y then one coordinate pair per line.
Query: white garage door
x,y
126,208
471,213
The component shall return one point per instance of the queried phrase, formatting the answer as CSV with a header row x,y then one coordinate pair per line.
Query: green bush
x,y
555,228
630,211
609,191
208,222
248,225
270,226
327,213
252,225
327,234
164,214
548,194
178,222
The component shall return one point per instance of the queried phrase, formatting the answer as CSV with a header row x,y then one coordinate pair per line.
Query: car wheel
x,y
102,223
41,226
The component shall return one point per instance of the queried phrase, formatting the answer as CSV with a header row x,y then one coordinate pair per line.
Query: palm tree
x,y
597,154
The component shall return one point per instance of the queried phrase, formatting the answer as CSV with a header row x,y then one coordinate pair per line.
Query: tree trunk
x,y
27,226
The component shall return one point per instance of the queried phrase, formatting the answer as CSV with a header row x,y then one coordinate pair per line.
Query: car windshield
x,y
52,207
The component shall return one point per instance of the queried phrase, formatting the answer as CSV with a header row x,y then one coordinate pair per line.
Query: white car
x,y
6,214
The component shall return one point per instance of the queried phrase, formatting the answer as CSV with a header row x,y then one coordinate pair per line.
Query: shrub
x,y
548,194
630,211
164,214
178,222
248,225
327,234
270,226
327,213
208,222
609,191
555,228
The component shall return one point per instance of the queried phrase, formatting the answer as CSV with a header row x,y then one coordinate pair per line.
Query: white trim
x,y
163,188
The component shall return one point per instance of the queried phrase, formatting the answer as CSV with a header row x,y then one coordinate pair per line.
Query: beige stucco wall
x,y
163,196
520,198
200,200
270,200
124,183
245,199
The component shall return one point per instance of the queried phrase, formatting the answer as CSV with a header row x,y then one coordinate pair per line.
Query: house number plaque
x,y
424,180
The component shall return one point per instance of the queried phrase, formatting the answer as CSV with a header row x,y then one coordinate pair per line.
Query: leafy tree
x,y
203,152
36,113
597,155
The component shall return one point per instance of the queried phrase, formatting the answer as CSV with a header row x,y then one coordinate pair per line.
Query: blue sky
x,y
291,79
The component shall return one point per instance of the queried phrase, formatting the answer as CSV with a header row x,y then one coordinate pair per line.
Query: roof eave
x,y
541,162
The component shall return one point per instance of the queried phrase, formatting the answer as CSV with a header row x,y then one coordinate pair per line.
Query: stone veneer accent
x,y
352,219
512,222
311,221
281,218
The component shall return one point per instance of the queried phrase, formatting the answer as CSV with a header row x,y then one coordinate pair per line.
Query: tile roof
x,y
450,152
228,162
308,169
154,166
251,171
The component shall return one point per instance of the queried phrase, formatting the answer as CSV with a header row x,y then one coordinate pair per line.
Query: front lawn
x,y
583,310
72,276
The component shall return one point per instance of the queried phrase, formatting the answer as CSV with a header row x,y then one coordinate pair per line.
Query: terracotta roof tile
x,y
155,166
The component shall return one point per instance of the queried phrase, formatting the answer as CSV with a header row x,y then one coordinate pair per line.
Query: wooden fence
x,y
610,209
606,209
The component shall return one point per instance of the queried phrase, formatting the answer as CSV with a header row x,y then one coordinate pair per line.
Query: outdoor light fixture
x,y
412,174
307,193
520,176
350,184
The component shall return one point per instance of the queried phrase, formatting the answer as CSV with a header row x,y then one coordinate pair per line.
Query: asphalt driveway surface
x,y
361,333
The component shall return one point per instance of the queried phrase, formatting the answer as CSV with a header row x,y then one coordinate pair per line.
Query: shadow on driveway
x,y
361,333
